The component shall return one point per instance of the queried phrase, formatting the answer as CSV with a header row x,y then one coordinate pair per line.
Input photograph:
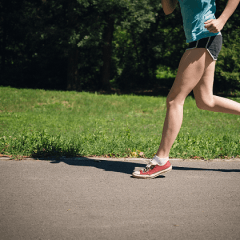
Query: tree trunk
x,y
73,82
135,44
107,53
4,41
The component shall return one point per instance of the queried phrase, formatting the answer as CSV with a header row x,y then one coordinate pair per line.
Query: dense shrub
x,y
228,64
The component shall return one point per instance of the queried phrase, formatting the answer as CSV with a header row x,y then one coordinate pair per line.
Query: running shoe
x,y
152,170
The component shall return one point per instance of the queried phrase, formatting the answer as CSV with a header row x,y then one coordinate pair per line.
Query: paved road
x,y
88,199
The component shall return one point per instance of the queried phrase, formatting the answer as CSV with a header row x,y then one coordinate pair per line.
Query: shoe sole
x,y
153,175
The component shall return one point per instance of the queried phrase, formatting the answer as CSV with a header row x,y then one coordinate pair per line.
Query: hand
x,y
214,25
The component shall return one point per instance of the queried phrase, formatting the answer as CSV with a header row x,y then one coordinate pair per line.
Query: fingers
x,y
211,25
214,25
212,29
209,21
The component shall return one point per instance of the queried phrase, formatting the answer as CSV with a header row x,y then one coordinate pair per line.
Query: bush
x,y
228,64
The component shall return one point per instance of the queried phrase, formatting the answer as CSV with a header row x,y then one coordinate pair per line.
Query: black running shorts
x,y
212,44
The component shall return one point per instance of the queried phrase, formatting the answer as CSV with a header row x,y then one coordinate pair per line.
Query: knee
x,y
174,102
205,104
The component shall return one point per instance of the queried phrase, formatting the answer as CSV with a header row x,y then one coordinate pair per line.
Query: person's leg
x,y
191,69
205,100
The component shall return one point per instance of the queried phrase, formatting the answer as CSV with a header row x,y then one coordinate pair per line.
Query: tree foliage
x,y
100,44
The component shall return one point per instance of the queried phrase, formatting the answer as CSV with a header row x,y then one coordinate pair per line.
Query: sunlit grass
x,y
44,123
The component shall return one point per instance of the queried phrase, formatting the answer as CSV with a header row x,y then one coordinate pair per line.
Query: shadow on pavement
x,y
113,166
205,169
125,166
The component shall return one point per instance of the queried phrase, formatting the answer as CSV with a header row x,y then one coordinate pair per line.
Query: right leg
x,y
190,71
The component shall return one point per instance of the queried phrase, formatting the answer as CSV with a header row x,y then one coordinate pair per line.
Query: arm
x,y
169,6
216,25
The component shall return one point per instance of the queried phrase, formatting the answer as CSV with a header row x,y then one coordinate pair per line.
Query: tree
x,y
99,44
73,82
9,12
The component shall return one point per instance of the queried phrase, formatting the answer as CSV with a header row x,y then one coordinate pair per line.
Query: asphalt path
x,y
98,199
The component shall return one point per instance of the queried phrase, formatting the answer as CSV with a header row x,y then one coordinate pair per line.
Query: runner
x,y
195,72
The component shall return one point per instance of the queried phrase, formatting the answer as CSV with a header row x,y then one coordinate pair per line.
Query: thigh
x,y
190,71
203,91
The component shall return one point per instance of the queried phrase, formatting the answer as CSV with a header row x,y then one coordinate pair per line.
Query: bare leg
x,y
191,69
205,99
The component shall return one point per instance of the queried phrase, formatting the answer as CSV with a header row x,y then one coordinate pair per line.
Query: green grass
x,y
41,123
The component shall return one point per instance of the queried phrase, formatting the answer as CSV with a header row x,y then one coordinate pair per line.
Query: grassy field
x,y
41,123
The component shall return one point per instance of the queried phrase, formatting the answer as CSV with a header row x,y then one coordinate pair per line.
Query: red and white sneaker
x,y
152,170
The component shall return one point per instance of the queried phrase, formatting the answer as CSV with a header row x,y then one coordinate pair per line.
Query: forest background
x,y
103,45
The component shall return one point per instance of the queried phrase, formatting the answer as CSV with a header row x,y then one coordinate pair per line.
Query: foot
x,y
152,170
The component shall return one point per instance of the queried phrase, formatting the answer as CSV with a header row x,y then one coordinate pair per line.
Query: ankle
x,y
162,156
160,161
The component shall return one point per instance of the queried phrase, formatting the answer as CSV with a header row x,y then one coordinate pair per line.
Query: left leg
x,y
203,93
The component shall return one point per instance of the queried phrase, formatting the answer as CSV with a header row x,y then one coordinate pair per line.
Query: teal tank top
x,y
195,13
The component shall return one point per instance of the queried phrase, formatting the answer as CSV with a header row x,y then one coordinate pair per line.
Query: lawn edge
x,y
140,160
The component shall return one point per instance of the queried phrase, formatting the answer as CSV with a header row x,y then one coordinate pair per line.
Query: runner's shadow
x,y
124,166
106,165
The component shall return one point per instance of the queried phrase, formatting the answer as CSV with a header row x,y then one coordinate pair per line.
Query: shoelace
x,y
148,167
